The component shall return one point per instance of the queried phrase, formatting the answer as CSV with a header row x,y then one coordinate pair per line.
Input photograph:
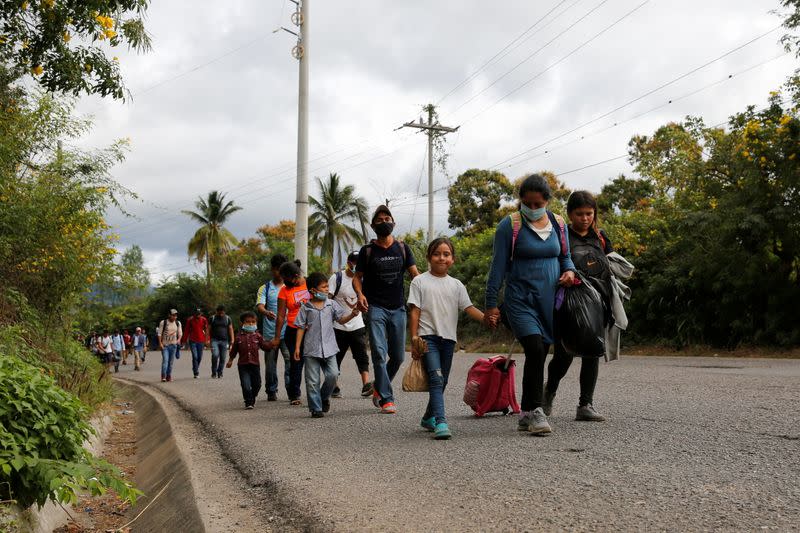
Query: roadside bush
x,y
42,430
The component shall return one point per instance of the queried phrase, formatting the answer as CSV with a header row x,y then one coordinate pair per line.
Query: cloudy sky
x,y
215,101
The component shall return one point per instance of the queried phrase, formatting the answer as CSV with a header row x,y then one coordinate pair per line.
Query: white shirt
x,y
544,232
346,298
440,301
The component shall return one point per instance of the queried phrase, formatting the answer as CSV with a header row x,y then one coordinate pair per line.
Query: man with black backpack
x,y
353,335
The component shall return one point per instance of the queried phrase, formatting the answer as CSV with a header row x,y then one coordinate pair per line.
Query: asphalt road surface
x,y
690,444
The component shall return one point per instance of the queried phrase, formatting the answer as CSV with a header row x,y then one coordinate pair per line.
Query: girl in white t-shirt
x,y
436,299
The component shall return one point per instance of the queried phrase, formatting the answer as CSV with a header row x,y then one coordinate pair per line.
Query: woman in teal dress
x,y
532,268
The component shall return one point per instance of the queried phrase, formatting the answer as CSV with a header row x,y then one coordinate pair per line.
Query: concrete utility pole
x,y
431,129
300,52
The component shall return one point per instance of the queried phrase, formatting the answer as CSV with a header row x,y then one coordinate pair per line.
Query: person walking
x,y
128,350
170,333
118,344
196,337
267,306
436,299
292,295
314,324
221,328
245,346
352,335
531,256
378,283
139,342
588,246
105,349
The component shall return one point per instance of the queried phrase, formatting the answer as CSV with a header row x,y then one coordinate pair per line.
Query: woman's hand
x,y
491,317
567,279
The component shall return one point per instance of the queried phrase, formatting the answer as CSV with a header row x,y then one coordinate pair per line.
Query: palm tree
x,y
211,240
328,225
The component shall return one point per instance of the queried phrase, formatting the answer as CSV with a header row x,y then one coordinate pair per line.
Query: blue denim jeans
x,y
271,372
250,378
167,358
437,360
330,370
197,356
387,338
219,354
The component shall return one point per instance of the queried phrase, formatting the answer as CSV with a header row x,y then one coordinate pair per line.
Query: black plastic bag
x,y
580,322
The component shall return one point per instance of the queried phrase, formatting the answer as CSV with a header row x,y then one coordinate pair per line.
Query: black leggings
x,y
558,367
533,373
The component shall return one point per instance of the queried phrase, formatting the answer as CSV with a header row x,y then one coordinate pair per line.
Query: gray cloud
x,y
231,125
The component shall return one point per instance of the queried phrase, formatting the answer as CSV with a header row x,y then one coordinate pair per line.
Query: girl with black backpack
x,y
589,247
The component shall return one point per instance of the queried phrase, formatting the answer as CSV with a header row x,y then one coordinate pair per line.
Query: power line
x,y
499,55
615,124
529,57
564,58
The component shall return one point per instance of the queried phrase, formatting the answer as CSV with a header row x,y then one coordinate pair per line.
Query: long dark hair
x,y
535,183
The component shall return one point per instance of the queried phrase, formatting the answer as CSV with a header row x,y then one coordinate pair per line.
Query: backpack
x,y
490,386
516,227
161,328
339,283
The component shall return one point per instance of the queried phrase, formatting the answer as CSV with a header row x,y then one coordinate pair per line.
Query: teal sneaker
x,y
429,424
442,432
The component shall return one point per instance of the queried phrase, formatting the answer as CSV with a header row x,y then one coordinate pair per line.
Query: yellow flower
x,y
713,203
37,70
48,3
87,67
25,4
115,58
67,36
110,34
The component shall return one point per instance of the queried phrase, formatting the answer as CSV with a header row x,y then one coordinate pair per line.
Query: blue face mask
x,y
250,328
321,296
532,214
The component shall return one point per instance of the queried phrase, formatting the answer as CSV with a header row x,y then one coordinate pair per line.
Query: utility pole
x,y
300,52
431,130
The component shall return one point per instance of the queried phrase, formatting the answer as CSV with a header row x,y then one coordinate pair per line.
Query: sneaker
x,y
337,392
326,406
137,368
442,432
547,406
295,402
429,424
169,378
317,414
219,376
248,406
272,397
163,380
539,424
586,413
213,376
388,408
195,376
376,399
367,390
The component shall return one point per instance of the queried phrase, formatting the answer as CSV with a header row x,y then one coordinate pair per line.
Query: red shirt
x,y
127,339
196,328
246,347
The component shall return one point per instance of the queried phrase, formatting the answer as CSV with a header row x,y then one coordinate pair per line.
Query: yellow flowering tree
x,y
37,39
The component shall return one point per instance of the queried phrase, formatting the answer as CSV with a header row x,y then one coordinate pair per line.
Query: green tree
x,y
792,24
134,277
475,200
329,224
58,42
719,249
212,240
625,194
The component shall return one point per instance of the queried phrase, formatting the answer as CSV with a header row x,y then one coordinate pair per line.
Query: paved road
x,y
691,444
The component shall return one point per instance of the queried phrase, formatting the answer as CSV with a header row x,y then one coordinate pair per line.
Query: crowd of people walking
x,y
310,323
